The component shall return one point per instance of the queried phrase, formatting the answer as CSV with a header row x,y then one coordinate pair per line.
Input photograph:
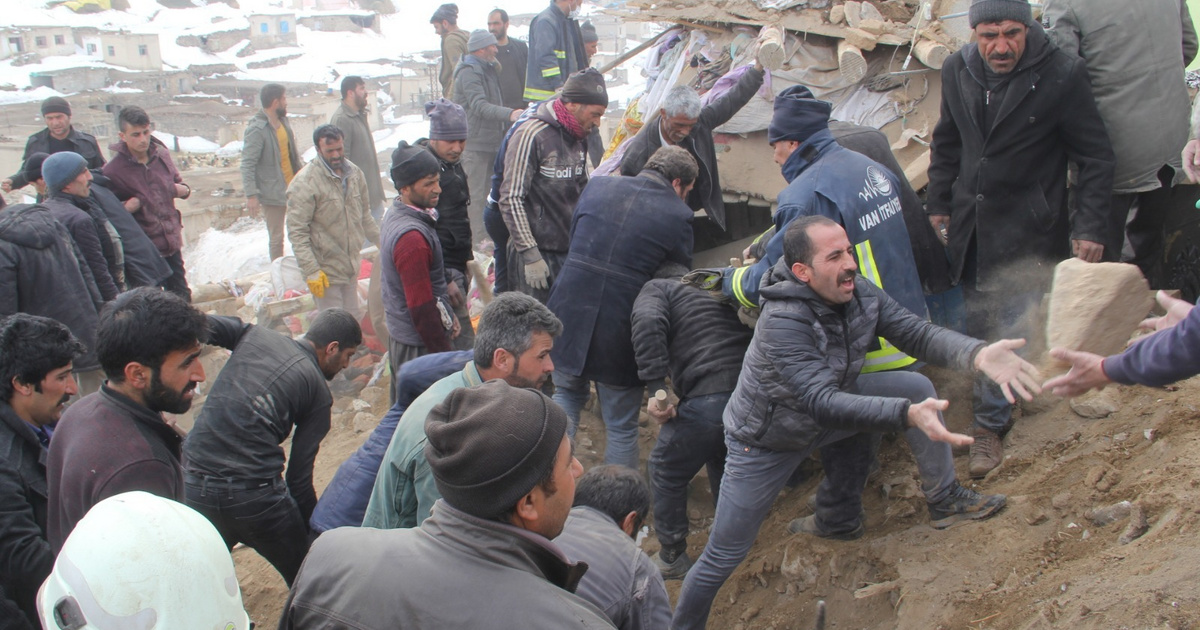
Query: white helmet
x,y
141,562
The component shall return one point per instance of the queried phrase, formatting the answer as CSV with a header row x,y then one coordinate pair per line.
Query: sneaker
x,y
964,504
676,569
808,525
986,453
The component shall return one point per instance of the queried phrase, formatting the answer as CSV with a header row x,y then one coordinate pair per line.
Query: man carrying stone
x,y
513,57
683,121
420,319
328,218
623,230
454,45
272,384
503,463
611,503
516,333
351,118
117,440
545,170
35,382
447,140
478,88
59,135
1015,110
269,162
801,389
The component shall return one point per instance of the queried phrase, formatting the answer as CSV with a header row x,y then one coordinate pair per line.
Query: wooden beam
x,y
631,54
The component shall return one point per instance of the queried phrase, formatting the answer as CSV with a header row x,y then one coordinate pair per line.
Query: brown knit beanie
x,y
490,445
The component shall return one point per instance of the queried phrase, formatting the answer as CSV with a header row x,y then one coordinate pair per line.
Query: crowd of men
x,y
466,506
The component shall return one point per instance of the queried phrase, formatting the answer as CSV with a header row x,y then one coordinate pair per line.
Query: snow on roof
x,y
40,93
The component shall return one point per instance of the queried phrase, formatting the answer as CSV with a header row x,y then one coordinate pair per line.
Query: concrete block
x,y
860,39
1095,307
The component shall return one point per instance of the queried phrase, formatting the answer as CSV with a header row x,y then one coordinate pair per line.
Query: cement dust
x,y
1041,563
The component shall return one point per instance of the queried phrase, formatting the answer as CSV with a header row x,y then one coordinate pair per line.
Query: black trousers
x,y
177,282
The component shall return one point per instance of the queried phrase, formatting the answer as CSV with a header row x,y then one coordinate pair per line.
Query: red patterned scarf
x,y
567,119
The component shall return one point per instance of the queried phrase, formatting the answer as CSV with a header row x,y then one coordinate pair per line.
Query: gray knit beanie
x,y
490,445
447,120
62,168
985,11
480,39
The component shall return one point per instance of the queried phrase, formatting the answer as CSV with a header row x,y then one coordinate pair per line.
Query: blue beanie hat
x,y
447,120
798,115
62,168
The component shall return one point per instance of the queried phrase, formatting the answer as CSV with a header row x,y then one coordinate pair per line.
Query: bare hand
x,y
182,191
516,113
1086,373
455,329
660,414
6,185
1087,251
252,206
941,225
1009,371
1176,310
1191,160
133,204
455,295
925,416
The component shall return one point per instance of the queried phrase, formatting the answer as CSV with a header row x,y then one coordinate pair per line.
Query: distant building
x,y
136,51
340,21
43,41
272,30
71,80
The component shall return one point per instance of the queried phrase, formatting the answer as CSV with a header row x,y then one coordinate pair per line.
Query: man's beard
x,y
161,398
281,112
360,102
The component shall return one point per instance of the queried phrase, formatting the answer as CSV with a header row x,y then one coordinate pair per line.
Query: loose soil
x,y
1038,564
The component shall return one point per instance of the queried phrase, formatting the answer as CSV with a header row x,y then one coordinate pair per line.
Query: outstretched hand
x,y
1009,371
1176,310
924,416
1086,373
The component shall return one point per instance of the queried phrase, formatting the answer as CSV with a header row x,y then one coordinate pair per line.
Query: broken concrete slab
x,y
1095,307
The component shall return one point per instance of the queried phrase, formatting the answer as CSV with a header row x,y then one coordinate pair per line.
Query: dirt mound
x,y
1041,563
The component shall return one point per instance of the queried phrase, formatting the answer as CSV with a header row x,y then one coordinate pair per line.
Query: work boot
x,y
964,504
672,564
809,525
986,453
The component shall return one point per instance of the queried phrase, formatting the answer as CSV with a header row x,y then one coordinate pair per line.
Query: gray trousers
x,y
754,476
478,166
343,296
398,355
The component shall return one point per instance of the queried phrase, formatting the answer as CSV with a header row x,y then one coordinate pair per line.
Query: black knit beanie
x,y
56,105
586,87
984,11
410,163
490,445
798,115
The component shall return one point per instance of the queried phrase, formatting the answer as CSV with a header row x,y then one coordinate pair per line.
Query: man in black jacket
x,y
59,135
235,467
682,121
678,330
801,389
68,183
35,381
1015,108
447,141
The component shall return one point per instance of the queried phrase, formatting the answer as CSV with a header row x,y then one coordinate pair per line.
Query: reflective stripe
x,y
561,54
736,279
887,357
551,72
534,94
866,263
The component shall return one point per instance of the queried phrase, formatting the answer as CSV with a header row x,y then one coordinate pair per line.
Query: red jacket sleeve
x,y
412,257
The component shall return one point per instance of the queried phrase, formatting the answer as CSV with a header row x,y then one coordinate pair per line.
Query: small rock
x,y
874,27
694,514
1111,514
750,613
364,421
1150,434
1095,474
377,397
867,11
853,12
837,14
1137,526
1093,406
1061,500
359,404
1121,437
1036,516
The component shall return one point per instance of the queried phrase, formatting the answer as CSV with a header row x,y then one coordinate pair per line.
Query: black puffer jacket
x,y
42,272
144,266
25,556
800,374
680,330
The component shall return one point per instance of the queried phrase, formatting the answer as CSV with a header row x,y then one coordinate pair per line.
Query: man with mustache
x,y
328,218
35,382
116,440
1015,109
516,333
801,389
271,385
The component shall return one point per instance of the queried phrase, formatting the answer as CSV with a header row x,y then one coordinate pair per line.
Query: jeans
x,y
693,439
265,518
619,407
497,230
177,282
753,478
994,315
